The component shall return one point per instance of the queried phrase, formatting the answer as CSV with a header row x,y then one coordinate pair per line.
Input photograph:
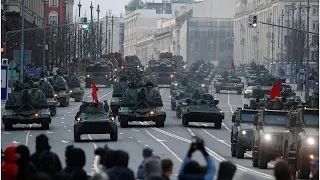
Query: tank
x,y
142,104
118,90
61,90
48,91
26,106
74,84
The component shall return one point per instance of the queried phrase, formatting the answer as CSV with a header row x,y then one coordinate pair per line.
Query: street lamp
x,y
79,6
91,39
44,35
98,31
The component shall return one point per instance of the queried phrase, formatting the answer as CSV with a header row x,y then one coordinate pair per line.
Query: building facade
x,y
267,44
58,11
114,41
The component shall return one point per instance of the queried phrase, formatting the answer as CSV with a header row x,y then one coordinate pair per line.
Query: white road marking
x,y
64,126
6,133
191,132
63,141
62,118
146,145
15,142
50,132
135,130
139,141
130,137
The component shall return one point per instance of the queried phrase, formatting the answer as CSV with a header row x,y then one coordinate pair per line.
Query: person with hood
x,y
75,161
42,144
108,160
152,168
121,170
26,168
47,161
9,168
190,169
146,153
226,170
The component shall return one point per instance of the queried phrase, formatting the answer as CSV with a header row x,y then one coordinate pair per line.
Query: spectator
x,y
152,168
42,144
191,169
108,160
101,176
9,169
75,161
47,164
247,176
146,153
121,170
226,170
281,170
314,168
26,168
167,168
42,176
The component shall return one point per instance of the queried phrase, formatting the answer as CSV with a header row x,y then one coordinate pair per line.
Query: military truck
x,y
118,90
74,84
301,142
229,84
141,104
268,136
48,91
26,106
61,90
98,73
164,73
242,132
94,118
205,107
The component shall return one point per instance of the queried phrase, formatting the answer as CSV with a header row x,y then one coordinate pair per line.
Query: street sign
x,y
4,82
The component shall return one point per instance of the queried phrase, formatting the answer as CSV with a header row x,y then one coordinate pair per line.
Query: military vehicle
x,y
205,107
94,118
48,91
74,84
118,90
313,100
163,71
180,102
141,104
26,106
182,93
301,142
268,134
229,84
99,74
133,62
242,131
61,90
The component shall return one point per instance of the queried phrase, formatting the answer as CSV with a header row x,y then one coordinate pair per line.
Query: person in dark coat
x,y
226,170
121,170
26,168
42,144
47,164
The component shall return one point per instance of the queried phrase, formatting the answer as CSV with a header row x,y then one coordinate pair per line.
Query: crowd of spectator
x,y
18,164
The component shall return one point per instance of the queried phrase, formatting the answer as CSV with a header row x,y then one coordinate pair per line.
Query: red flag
x,y
275,91
232,65
123,66
94,92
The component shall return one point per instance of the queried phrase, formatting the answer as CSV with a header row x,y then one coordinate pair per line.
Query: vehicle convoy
x,y
229,84
118,89
133,63
141,104
205,107
74,84
98,73
48,91
26,106
242,132
163,70
301,142
61,90
94,118
268,136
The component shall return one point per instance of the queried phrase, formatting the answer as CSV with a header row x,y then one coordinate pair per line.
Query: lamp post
x,y
98,34
308,53
44,35
22,41
80,34
65,34
91,23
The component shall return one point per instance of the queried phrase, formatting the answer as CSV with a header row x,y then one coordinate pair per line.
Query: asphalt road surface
x,y
172,141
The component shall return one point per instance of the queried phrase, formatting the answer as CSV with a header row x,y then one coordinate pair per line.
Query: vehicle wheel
x,y
45,126
303,167
8,126
114,136
123,122
254,160
173,107
160,122
217,125
239,151
76,137
262,159
233,148
178,114
185,122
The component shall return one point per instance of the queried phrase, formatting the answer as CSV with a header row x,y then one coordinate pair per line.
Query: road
x,y
172,141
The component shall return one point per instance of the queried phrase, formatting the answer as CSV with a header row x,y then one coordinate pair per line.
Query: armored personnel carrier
x,y
242,131
94,118
118,90
99,74
26,106
61,90
229,84
74,84
205,107
141,104
48,91
268,136
301,139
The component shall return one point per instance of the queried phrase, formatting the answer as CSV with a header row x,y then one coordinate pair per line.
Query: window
x,y
53,18
53,3
315,10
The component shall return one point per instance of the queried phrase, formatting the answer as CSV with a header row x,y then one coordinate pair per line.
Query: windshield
x,y
311,119
247,117
249,88
162,69
276,119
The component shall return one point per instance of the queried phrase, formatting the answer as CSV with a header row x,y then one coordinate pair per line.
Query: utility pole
x,y
281,48
22,42
91,33
44,36
293,43
308,53
106,42
278,48
112,23
272,52
80,35
287,57
109,35
65,2
299,59
98,34
257,45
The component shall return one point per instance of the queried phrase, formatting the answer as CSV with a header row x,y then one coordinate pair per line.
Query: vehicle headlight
x,y
70,91
311,141
138,66
176,84
184,67
106,76
151,113
116,70
267,137
221,112
171,75
202,85
244,132
88,75
36,115
55,95
78,119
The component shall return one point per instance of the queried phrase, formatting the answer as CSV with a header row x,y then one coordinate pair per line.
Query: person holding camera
x,y
191,169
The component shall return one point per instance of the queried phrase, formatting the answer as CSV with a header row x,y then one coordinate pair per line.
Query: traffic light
x,y
84,24
253,22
